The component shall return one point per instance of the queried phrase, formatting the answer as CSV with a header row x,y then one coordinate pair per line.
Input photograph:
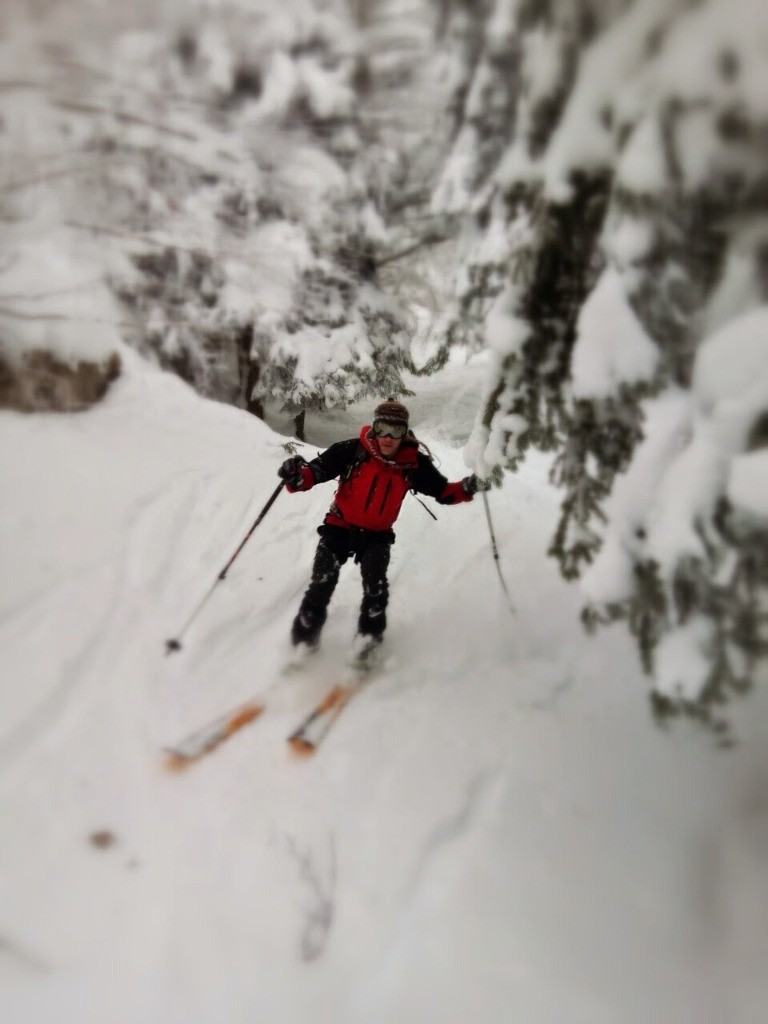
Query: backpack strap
x,y
361,456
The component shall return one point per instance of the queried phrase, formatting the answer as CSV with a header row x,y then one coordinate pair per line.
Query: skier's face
x,y
388,446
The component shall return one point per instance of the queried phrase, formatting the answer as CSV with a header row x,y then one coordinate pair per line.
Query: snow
x,y
516,166
694,452
697,43
683,664
607,75
496,799
691,66
687,491
598,364
542,62
609,580
505,333
667,431
739,288
500,26
747,486
53,296
616,78
627,239
732,362
453,192
730,385
216,56
642,166
690,456
279,87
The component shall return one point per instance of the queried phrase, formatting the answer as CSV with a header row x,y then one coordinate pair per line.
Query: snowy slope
x,y
494,832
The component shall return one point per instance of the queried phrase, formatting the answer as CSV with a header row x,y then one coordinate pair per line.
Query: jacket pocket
x,y
383,504
371,492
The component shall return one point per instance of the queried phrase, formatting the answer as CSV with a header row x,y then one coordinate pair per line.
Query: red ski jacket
x,y
372,488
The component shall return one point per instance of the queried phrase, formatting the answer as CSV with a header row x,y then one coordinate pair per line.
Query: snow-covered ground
x,y
495,830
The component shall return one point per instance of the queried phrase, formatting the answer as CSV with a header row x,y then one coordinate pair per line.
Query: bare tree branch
x,y
164,243
9,84
16,186
430,239
41,296
103,75
87,108
15,314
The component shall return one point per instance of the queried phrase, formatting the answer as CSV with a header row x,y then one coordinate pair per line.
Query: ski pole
x,y
495,548
174,644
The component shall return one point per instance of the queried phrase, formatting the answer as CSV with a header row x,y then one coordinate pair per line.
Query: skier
x,y
376,471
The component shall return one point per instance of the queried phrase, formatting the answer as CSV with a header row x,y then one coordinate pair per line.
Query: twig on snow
x,y
320,912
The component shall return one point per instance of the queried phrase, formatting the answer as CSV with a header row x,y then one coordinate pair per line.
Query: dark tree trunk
x,y
299,425
253,405
249,372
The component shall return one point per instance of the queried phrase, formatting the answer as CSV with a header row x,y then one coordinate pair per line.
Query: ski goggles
x,y
396,430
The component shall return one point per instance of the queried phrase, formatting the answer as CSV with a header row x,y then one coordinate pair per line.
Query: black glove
x,y
472,484
290,471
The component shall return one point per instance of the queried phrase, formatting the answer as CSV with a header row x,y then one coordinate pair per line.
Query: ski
x,y
209,736
313,729
304,740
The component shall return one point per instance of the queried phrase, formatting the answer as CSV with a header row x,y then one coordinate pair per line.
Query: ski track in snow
x,y
452,829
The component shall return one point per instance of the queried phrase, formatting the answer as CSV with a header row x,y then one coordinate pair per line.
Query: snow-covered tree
x,y
230,185
419,55
511,231
626,222
256,178
254,276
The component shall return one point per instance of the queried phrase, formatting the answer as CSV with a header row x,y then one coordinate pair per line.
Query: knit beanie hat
x,y
391,412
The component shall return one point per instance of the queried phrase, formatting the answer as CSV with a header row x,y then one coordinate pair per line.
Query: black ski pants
x,y
371,550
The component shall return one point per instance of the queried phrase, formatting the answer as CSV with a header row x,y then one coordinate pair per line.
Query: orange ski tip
x,y
336,696
301,747
175,762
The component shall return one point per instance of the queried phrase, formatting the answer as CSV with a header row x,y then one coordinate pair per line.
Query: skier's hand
x,y
472,484
291,471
